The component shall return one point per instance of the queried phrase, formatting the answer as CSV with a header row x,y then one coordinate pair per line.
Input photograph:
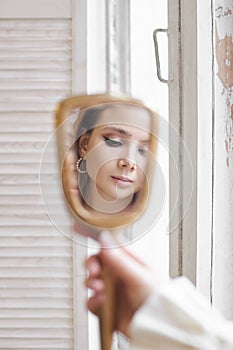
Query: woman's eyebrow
x,y
145,142
119,130
125,133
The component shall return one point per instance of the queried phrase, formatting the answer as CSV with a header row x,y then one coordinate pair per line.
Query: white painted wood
x,y
81,331
205,149
79,49
189,134
35,9
36,265
222,288
118,50
214,176
183,115
174,44
96,48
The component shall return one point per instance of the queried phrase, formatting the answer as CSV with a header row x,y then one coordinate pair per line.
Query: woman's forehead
x,y
131,118
126,130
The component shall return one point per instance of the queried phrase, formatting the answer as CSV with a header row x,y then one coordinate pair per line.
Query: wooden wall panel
x,y
36,261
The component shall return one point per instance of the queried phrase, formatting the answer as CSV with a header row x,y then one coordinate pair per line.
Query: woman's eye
x,y
112,142
142,151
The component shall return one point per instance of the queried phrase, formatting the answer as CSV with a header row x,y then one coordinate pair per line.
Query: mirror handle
x,y
107,312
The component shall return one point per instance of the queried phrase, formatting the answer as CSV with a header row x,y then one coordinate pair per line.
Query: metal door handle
x,y
156,31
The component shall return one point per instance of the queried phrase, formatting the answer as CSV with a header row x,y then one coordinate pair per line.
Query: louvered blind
x,y
36,264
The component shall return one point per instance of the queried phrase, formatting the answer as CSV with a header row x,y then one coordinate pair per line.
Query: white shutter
x,y
36,261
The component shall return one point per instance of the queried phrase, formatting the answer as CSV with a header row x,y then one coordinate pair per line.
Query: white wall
x,y
152,247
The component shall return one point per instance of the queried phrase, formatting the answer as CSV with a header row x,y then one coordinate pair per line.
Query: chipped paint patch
x,y
224,59
224,56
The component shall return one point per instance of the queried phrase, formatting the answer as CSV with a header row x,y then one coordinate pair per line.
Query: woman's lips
x,y
122,181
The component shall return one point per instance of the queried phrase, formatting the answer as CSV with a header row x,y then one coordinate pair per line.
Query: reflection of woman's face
x,y
117,152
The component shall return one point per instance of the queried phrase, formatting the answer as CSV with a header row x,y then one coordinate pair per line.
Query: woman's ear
x,y
83,141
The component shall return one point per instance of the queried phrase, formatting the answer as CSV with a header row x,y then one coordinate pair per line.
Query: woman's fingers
x,y
93,266
94,279
96,284
95,303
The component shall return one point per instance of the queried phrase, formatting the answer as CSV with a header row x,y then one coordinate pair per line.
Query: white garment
x,y
178,317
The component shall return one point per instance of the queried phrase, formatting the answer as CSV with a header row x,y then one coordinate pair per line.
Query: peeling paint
x,y
224,56
224,59
222,185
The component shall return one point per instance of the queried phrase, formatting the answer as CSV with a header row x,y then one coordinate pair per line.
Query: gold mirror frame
x,y
64,111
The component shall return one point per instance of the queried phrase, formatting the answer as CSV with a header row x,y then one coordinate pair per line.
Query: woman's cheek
x,y
141,177
95,160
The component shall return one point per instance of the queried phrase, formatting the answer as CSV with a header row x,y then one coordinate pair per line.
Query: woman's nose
x,y
127,163
129,159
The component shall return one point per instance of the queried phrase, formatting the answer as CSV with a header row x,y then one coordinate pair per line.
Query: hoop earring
x,y
78,164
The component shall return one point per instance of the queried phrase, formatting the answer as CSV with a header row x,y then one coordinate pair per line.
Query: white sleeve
x,y
178,317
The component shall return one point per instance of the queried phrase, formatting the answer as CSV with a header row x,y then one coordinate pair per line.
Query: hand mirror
x,y
106,148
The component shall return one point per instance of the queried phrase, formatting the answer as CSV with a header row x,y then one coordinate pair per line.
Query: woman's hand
x,y
132,279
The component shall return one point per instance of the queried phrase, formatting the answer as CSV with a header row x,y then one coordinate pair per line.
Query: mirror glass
x,y
106,148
